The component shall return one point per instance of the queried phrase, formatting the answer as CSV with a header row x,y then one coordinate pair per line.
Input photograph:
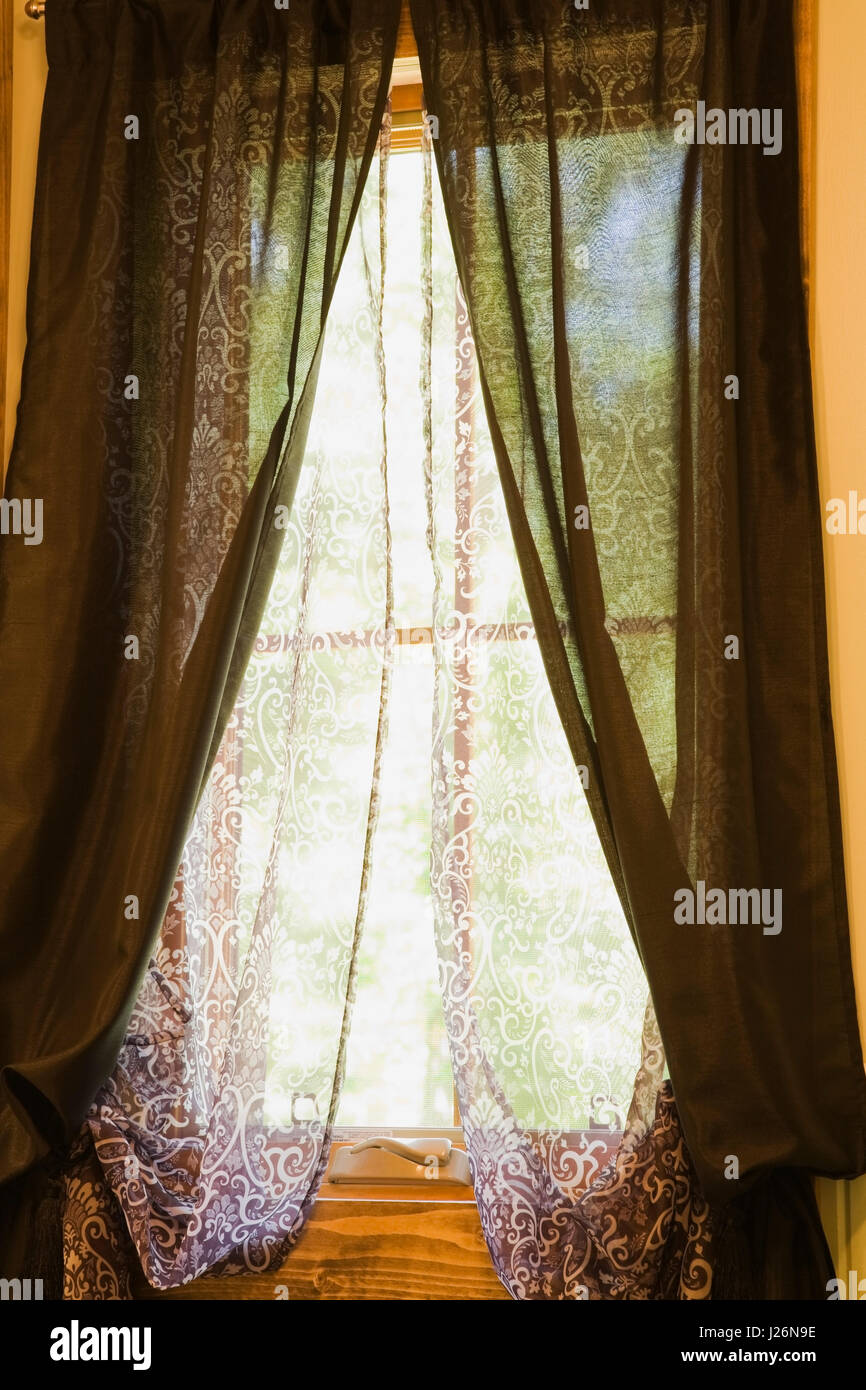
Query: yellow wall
x,y
29,70
839,371
839,364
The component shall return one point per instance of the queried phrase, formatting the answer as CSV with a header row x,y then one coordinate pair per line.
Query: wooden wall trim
x,y
406,45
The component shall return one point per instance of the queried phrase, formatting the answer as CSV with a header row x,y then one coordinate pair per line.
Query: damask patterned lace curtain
x,y
583,1182
201,163
638,315
214,1129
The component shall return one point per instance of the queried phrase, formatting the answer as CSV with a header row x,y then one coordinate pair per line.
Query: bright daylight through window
x,y
474,773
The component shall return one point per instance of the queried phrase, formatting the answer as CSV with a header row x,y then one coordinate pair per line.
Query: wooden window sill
x,y
423,1193
406,1243
369,1248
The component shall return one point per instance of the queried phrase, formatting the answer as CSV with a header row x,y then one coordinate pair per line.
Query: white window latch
x,y
384,1160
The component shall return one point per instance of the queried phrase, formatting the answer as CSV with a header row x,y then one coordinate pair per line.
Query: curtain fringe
x,y
31,1224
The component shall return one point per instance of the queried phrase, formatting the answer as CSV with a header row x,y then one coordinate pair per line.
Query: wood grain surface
x,y
363,1250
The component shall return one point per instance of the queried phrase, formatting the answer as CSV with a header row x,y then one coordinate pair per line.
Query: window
x,y
469,745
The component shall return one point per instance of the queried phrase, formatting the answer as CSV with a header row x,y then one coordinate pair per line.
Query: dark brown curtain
x,y
637,307
201,163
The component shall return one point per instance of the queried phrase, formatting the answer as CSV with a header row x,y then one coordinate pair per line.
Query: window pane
x,y
398,1070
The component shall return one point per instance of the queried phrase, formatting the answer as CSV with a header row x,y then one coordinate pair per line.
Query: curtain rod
x,y
34,8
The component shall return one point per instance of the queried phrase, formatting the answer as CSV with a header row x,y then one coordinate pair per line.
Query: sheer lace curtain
x,y
581,1175
213,1132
